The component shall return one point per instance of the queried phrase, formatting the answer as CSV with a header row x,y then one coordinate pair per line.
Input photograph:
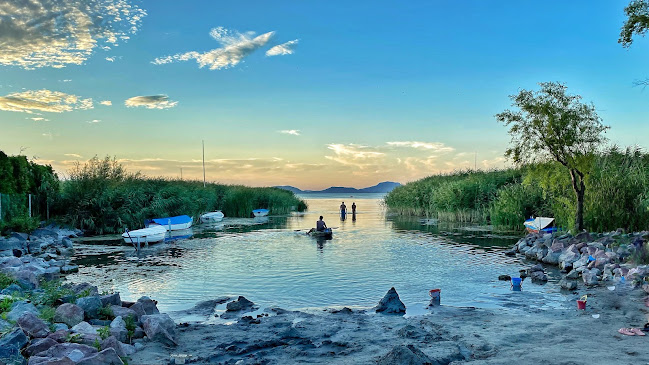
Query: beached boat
x,y
171,223
152,234
260,212
212,217
327,233
540,225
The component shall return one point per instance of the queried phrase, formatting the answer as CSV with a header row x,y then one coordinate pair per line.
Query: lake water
x,y
271,263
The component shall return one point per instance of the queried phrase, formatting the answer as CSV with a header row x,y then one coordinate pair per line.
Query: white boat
x,y
212,217
151,234
540,224
260,212
171,223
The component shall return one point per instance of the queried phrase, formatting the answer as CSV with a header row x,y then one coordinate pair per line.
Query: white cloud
x,y
72,155
293,132
151,102
110,59
57,33
354,155
106,102
43,100
47,135
235,47
283,49
39,119
94,121
431,146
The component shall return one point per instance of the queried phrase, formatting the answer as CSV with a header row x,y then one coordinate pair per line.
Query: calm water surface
x,y
273,264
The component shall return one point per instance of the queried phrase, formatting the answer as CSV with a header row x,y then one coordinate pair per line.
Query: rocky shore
x,y
46,322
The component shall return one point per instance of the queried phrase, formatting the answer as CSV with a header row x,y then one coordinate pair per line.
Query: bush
x,y
6,280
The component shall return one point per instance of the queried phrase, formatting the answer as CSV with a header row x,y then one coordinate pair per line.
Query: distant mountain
x,y
384,187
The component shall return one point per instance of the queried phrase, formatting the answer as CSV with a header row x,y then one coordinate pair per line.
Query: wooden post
x,y
30,205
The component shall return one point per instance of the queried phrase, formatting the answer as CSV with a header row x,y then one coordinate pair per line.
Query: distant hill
x,y
384,187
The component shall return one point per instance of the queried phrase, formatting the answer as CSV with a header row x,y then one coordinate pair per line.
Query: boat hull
x,y
151,234
172,223
327,233
212,217
260,212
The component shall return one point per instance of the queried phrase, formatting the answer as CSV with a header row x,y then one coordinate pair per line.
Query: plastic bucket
x,y
436,296
516,282
581,304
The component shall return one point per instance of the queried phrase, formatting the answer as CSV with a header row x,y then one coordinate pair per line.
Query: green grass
x,y
6,280
617,194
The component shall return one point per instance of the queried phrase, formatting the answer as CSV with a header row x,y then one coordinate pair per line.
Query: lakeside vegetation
x,y
618,194
101,197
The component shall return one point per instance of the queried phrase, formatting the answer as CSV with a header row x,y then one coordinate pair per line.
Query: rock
x,y
539,277
20,308
105,357
568,284
39,345
69,269
70,314
73,351
37,360
45,233
537,267
118,329
59,336
112,342
138,346
99,322
12,289
574,274
590,278
405,355
11,356
145,306
583,236
61,326
239,304
84,328
119,311
159,327
14,339
504,277
552,258
33,326
138,333
510,253
110,299
90,306
128,349
4,325
391,303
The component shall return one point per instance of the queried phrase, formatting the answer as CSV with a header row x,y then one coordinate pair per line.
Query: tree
x,y
637,22
553,125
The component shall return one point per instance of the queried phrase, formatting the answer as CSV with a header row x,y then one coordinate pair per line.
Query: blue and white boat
x,y
540,225
260,212
171,223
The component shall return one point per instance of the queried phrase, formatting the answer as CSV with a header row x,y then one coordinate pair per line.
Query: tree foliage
x,y
551,124
637,22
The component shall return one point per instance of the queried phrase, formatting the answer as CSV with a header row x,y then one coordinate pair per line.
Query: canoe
x,y
212,217
260,212
152,234
327,233
172,223
540,225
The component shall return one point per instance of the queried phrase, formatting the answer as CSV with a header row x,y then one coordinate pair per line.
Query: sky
x,y
311,94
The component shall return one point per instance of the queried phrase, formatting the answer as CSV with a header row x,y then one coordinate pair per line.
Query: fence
x,y
23,205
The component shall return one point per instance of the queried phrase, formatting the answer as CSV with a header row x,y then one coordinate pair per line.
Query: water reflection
x,y
273,262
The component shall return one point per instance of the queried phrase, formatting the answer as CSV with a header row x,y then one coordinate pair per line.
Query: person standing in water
x,y
343,209
354,208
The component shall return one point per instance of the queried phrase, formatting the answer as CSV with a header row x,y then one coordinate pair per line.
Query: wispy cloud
x,y
106,102
354,155
293,132
39,119
151,102
94,121
431,146
283,49
41,33
235,47
44,101
110,59
72,155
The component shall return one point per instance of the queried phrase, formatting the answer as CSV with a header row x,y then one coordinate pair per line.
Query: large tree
x,y
637,22
550,124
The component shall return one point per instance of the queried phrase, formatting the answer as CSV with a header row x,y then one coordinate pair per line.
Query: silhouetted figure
x,y
343,209
353,208
320,225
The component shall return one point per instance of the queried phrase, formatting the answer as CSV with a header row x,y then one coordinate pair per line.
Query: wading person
x,y
343,209
354,208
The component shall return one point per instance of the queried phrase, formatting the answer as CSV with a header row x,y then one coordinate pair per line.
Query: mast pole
x,y
203,163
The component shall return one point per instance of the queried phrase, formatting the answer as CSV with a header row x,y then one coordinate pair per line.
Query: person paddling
x,y
320,226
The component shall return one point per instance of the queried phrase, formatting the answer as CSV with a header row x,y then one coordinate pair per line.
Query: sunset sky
x,y
310,93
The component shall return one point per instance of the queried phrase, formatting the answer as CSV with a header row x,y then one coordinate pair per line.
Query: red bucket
x,y
581,304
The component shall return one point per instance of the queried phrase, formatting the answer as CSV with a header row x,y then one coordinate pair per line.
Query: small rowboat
x,y
260,212
540,225
171,223
212,217
327,233
152,234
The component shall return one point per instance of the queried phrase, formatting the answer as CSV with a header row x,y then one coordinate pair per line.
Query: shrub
x,y
106,312
6,280
104,332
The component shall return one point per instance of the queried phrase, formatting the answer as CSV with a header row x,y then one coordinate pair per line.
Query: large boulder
x,y
145,306
104,357
39,360
90,306
33,326
590,277
240,304
110,299
39,345
160,327
20,308
113,343
568,284
119,311
14,339
70,314
391,304
118,329
405,355
85,329
73,351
